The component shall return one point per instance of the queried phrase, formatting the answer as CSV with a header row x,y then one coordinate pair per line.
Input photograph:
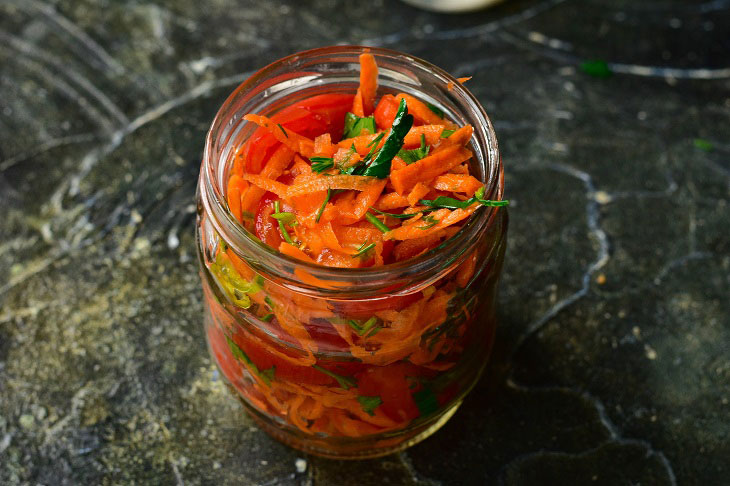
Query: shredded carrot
x,y
294,141
457,183
429,167
422,113
368,82
341,366
309,184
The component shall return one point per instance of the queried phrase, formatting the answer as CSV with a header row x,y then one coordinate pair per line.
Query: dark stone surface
x,y
612,364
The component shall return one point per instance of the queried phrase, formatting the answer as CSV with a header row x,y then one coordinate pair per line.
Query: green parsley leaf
x,y
230,280
369,404
596,68
364,248
426,402
282,130
447,133
267,375
413,155
282,228
380,166
394,215
367,325
286,218
321,164
703,144
354,125
268,317
430,222
378,224
438,111
451,203
345,382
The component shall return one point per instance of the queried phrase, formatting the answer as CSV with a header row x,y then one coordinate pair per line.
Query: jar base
x,y
426,430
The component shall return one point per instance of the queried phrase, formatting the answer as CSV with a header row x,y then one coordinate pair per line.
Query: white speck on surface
x,y
301,465
26,421
650,352
264,462
602,197
135,217
641,115
675,23
636,331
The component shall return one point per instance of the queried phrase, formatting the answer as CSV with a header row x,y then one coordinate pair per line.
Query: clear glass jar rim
x,y
430,265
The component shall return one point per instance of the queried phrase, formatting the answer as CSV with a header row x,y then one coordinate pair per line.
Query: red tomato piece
x,y
385,111
390,383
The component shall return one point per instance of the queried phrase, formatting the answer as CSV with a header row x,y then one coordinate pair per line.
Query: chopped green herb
x,y
430,222
378,224
363,249
321,164
438,111
447,133
380,166
289,219
703,144
354,125
345,382
268,317
269,302
426,402
282,228
282,130
374,331
413,155
266,375
236,287
324,203
451,203
369,404
394,215
353,324
369,324
596,68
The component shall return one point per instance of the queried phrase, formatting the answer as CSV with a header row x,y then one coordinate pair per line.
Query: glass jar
x,y
339,362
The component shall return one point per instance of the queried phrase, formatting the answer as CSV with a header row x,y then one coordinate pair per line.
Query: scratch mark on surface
x,y
44,147
595,230
50,12
28,49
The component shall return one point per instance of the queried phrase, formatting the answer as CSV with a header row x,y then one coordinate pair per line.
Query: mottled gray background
x,y
612,360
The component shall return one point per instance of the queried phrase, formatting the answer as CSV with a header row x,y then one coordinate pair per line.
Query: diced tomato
x,y
327,338
390,383
385,111
267,228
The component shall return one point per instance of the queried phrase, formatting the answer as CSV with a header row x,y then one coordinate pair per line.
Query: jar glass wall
x,y
348,363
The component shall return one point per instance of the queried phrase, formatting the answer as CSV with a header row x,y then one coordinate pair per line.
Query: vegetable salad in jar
x,y
351,233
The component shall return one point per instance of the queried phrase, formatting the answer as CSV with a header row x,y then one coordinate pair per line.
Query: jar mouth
x,y
401,277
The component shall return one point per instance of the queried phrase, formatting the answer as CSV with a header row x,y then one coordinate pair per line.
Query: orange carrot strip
x,y
309,184
444,216
397,163
464,80
294,252
422,113
432,134
323,145
417,193
391,200
236,186
368,82
293,140
355,235
460,136
267,184
364,200
457,183
428,167
361,143
346,158
357,104
275,166
466,270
